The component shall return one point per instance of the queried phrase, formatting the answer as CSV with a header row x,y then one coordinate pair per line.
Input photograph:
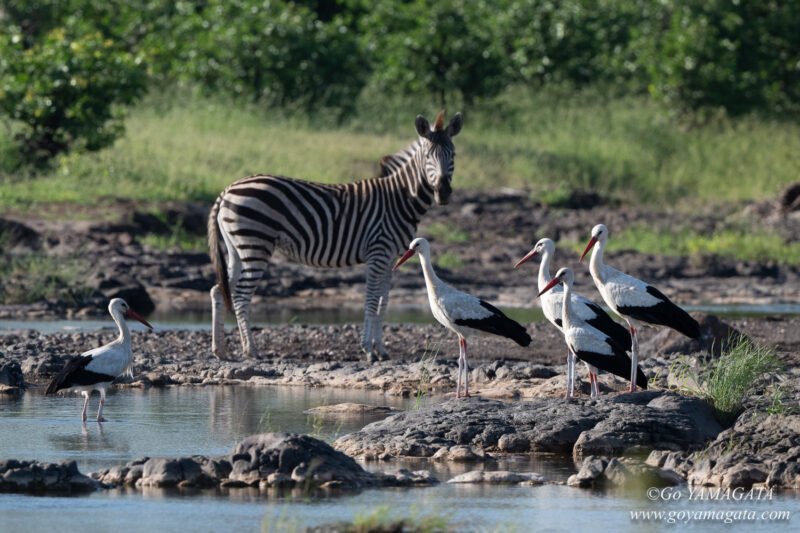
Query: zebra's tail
x,y
217,255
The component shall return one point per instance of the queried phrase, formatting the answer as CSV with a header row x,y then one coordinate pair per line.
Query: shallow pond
x,y
210,420
347,315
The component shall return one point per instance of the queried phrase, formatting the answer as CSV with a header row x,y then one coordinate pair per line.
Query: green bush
x,y
276,52
736,55
579,41
65,91
429,47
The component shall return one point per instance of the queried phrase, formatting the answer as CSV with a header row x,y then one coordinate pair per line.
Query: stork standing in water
x,y
461,313
633,299
589,312
590,344
96,369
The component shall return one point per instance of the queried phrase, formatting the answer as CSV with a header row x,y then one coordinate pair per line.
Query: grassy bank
x,y
739,243
182,147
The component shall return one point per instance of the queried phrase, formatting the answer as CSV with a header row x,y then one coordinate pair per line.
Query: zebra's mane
x,y
390,163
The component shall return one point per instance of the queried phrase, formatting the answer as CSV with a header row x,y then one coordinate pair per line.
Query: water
x,y
408,315
210,420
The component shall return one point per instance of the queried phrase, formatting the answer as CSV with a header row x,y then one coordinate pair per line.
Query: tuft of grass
x,y
179,239
26,278
448,233
449,261
427,359
725,383
384,520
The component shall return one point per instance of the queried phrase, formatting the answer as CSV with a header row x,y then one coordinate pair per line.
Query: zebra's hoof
x,y
372,357
383,356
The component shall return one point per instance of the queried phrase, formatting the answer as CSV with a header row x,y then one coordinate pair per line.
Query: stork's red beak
x,y
553,283
403,259
592,242
133,314
528,256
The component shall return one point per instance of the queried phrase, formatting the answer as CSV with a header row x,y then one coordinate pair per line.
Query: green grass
x,y
727,381
178,239
182,147
449,261
739,243
448,233
27,278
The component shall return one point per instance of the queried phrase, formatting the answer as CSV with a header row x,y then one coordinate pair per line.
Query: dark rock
x,y
309,461
16,234
611,425
612,472
11,376
715,337
131,290
36,477
758,449
790,200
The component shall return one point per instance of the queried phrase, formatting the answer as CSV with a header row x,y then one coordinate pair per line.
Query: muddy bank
x,y
423,358
481,233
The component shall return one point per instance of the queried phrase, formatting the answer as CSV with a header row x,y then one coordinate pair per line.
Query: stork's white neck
x,y
124,332
544,270
566,309
431,279
596,265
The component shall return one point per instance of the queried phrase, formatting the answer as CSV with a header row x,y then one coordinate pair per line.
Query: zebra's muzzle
x,y
442,194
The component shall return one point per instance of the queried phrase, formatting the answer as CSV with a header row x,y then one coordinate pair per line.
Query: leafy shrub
x,y
66,90
580,41
436,48
276,52
736,55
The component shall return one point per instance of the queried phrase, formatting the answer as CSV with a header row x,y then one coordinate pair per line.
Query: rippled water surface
x,y
210,420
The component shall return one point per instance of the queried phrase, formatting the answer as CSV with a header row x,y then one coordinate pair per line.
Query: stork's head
x,y
599,234
438,153
120,306
543,246
564,275
417,245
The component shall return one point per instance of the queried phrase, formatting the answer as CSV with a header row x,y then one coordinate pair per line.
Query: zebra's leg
x,y
377,323
377,268
218,346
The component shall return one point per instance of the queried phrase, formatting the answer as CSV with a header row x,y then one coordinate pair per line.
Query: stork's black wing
x,y
498,324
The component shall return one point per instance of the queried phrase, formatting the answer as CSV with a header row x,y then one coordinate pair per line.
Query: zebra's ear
x,y
423,126
455,125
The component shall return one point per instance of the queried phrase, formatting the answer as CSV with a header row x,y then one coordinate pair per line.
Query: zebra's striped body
x,y
320,225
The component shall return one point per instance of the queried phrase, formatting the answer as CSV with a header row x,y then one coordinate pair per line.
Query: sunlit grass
x,y
755,245
726,382
182,147
447,233
26,278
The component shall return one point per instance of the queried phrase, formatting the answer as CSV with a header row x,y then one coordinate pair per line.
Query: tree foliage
x,y
69,66
65,90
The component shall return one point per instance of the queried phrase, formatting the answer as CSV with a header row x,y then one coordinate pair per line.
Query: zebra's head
x,y
438,153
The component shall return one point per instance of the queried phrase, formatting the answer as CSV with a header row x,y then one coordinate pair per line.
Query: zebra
x,y
369,221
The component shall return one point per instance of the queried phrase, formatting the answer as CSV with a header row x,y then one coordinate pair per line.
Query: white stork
x,y
460,312
586,310
633,299
590,344
96,369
